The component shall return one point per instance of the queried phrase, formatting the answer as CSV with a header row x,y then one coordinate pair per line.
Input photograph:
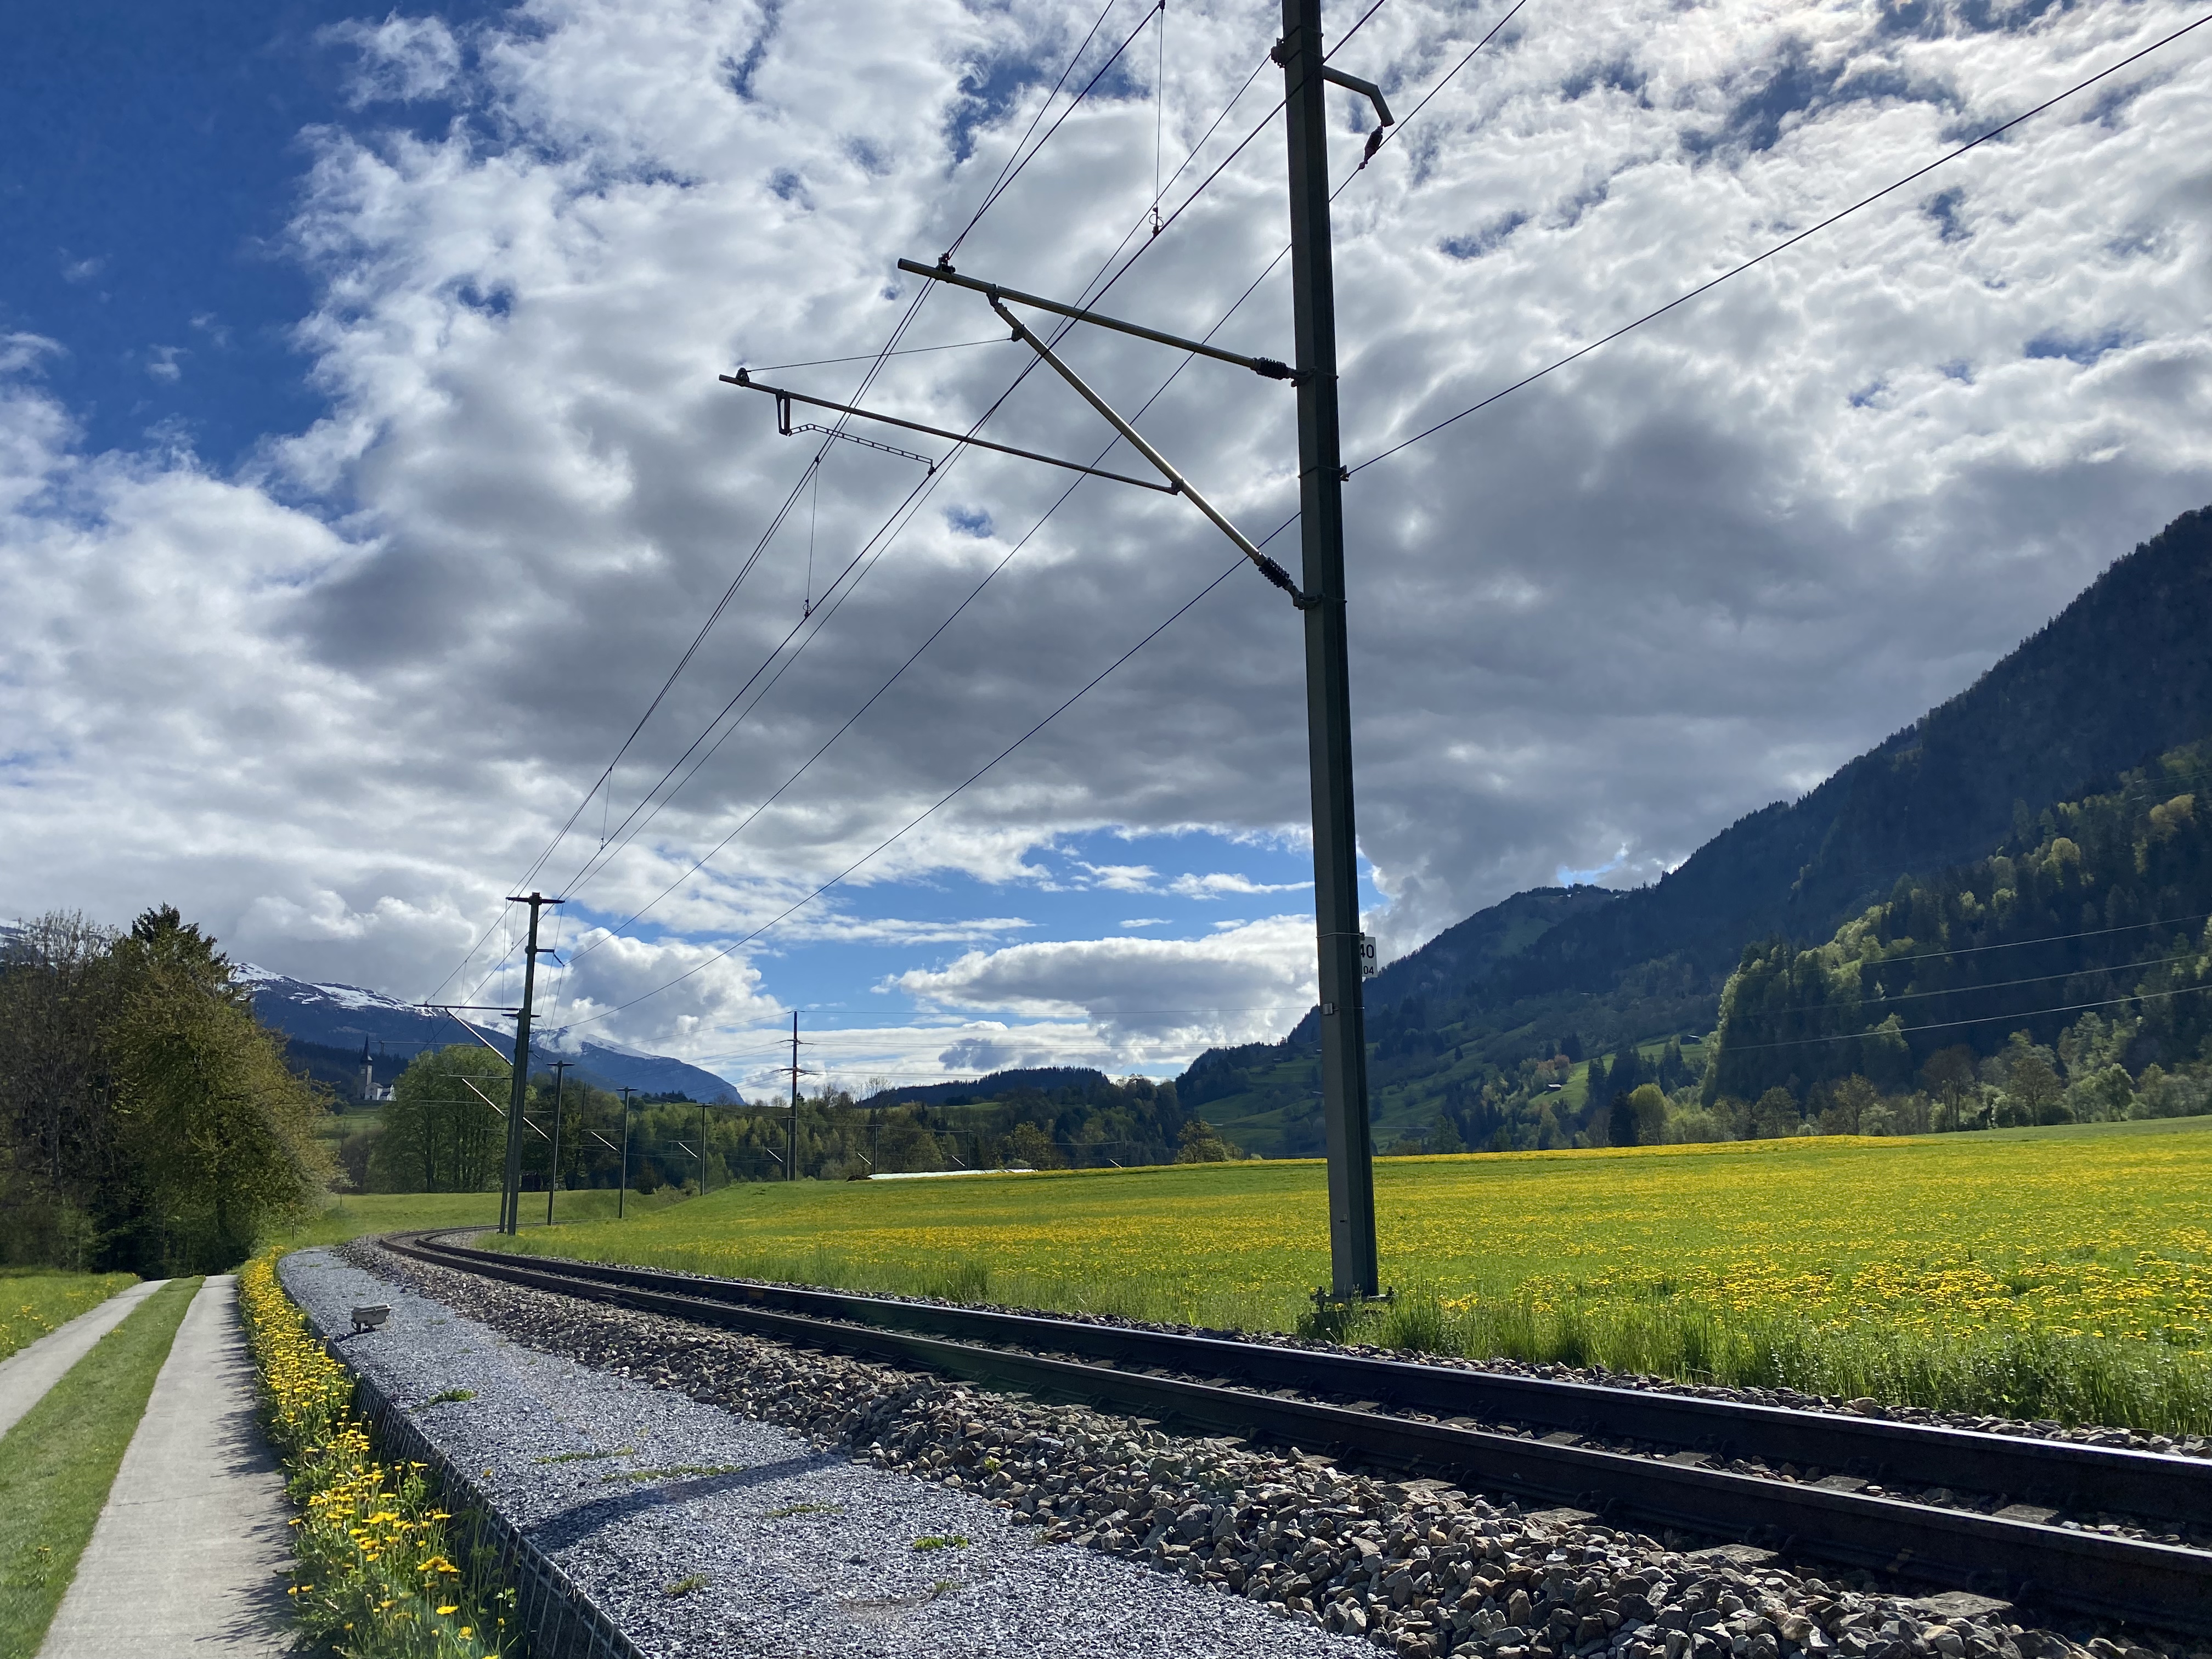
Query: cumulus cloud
x,y
1225,884
1143,995
401,59
338,702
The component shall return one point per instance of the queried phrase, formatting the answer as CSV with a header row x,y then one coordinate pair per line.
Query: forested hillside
x,y
1471,1035
2086,934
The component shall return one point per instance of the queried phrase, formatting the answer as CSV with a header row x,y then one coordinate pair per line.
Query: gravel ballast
x,y
1330,1551
701,1531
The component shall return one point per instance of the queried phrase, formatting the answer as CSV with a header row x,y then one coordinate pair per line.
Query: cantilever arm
x,y
784,398
1273,571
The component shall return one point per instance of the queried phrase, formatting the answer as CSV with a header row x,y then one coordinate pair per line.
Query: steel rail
x,y
2156,1584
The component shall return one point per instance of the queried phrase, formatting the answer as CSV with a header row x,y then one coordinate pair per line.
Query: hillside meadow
x,y
2059,1273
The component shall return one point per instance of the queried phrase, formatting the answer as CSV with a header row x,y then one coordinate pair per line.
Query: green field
x,y
33,1301
358,1213
2043,1273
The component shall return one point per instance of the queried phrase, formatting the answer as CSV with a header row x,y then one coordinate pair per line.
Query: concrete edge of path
x,y
193,1547
26,1374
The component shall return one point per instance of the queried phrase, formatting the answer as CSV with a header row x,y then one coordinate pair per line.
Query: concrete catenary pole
x,y
510,1207
553,1165
622,1192
1354,1271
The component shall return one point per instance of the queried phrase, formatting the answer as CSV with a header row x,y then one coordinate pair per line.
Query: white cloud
x,y
1146,921
1122,878
1222,884
335,702
402,59
1143,995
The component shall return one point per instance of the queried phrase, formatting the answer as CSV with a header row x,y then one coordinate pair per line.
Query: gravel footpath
x,y
1416,1567
699,1531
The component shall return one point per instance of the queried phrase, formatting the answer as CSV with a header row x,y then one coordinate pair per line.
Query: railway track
x,y
1441,1420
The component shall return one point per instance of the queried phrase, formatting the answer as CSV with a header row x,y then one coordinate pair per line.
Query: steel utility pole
x,y
1354,1271
553,1165
702,1149
622,1192
510,1203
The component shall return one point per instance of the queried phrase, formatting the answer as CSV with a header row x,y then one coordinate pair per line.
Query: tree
x,y
222,1130
2032,1093
1027,1144
1774,1116
441,1133
150,1122
1620,1121
1202,1145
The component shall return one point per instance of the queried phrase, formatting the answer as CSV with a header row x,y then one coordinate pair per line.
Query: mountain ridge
x,y
2043,725
333,1017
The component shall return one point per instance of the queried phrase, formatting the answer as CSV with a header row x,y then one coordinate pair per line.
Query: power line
x,y
904,351
1882,1000
2022,944
993,194
1984,1019
1198,191
1782,247
1385,135
928,486
885,844
605,779
1006,179
1064,329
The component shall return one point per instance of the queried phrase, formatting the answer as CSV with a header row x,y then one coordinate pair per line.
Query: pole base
x,y
1323,1298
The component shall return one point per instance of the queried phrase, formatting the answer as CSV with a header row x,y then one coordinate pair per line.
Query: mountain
x,y
1043,1079
329,1024
1469,1031
2117,678
2085,935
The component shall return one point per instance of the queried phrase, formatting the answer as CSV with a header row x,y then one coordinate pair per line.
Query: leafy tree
x,y
441,1134
1200,1145
1029,1145
1620,1121
222,1130
1774,1116
151,1122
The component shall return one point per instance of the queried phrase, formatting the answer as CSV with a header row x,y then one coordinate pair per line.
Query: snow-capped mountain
x,y
345,1017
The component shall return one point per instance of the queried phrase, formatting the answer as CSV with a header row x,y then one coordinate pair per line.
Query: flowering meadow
x,y
32,1303
372,1573
2060,1273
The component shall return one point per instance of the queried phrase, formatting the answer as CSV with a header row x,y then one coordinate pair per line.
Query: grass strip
x,y
59,1461
34,1303
375,1577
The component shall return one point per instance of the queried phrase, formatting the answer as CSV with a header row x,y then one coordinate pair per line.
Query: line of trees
x,y
444,1130
148,1120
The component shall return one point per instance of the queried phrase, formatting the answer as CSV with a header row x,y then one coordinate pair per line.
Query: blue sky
x,y
364,472
151,156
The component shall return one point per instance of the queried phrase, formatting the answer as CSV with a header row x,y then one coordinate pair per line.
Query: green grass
x,y
58,1462
2063,1273
360,1213
680,1472
954,1542
33,1301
